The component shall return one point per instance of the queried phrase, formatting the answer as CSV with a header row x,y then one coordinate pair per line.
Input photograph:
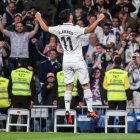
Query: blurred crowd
x,y
117,35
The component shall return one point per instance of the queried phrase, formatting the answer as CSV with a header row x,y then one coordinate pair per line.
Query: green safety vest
x,y
62,86
4,98
116,82
21,79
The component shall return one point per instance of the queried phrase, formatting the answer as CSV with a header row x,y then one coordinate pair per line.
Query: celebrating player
x,y
73,61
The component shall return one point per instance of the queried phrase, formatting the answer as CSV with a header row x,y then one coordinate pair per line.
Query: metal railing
x,y
46,112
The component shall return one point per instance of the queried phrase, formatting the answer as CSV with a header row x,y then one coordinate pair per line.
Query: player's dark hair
x,y
64,15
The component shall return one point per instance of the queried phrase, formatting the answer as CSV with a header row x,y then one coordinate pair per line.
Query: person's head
x,y
106,29
17,18
50,77
87,3
78,12
80,23
19,27
22,62
129,29
132,37
96,73
115,22
109,51
53,39
118,61
12,7
136,57
101,2
93,39
53,54
99,48
66,16
92,18
124,36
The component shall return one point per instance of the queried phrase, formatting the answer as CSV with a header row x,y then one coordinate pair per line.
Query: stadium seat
x,y
114,113
19,112
39,113
3,117
61,112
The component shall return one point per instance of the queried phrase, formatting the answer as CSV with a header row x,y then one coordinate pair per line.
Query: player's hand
x,y
37,16
101,17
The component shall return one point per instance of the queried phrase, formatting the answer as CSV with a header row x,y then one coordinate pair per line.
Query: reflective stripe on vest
x,y
62,86
4,99
21,79
116,90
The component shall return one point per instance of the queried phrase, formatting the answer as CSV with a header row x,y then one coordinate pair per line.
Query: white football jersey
x,y
69,37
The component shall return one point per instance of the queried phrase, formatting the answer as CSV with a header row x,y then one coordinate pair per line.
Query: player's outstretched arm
x,y
94,25
41,22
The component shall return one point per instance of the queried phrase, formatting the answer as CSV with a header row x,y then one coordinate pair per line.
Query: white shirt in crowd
x,y
84,39
99,32
130,49
107,39
90,50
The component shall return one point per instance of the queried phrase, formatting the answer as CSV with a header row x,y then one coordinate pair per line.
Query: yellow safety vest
x,y
4,98
116,82
62,86
21,79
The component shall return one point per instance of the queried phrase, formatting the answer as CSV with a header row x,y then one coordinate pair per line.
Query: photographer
x,y
28,18
128,47
133,69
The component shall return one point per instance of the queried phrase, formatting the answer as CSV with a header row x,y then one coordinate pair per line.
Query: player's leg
x,y
68,78
83,76
88,99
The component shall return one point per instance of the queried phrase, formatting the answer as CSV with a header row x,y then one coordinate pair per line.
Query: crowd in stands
x,y
117,35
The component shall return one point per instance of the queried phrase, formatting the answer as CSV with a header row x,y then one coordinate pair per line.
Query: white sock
x,y
88,98
67,98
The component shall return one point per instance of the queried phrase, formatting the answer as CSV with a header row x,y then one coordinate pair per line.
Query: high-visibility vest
x,y
62,86
21,79
116,82
4,98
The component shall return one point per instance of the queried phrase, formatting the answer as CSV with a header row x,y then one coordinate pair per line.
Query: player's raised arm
x,y
94,25
41,22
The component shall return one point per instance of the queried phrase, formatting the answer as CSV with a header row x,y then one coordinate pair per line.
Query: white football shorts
x,y
76,68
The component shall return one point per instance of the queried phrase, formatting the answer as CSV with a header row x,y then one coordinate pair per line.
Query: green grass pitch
x,y
67,136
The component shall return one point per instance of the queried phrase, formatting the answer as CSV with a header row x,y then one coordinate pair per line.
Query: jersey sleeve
x,y
79,30
54,30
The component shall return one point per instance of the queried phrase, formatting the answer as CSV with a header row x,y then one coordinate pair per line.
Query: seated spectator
x,y
49,65
17,19
96,82
8,16
87,5
131,46
116,29
3,52
97,55
19,42
80,15
53,44
84,39
48,89
98,30
133,69
108,39
90,49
